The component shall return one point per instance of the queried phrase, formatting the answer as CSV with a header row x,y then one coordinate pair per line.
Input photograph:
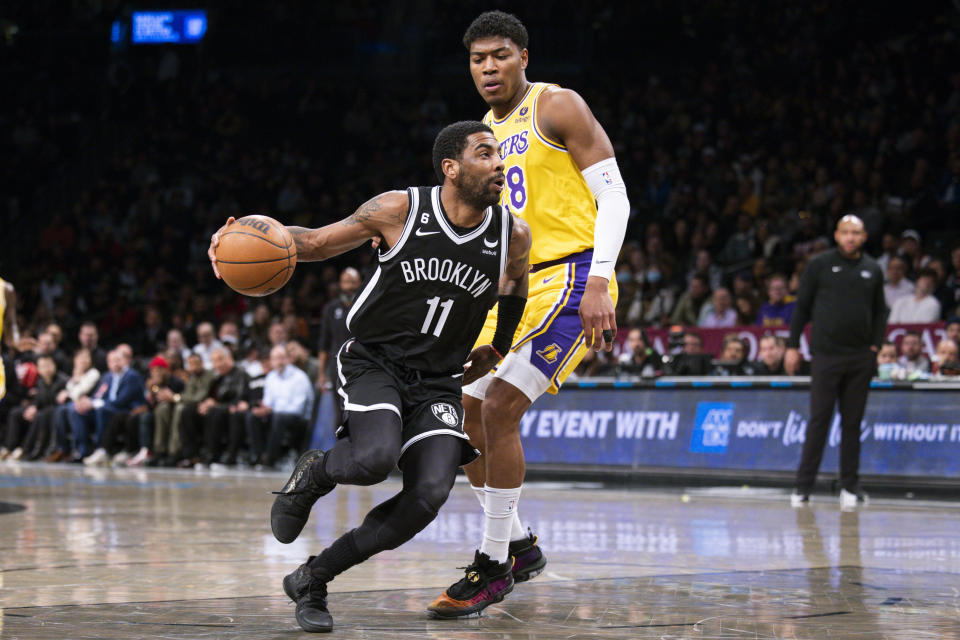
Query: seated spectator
x,y
770,354
910,250
119,391
691,302
168,414
691,361
946,359
229,336
28,425
703,263
746,307
887,366
259,329
220,413
252,363
921,307
720,312
175,342
301,358
733,358
887,354
152,336
776,311
953,329
89,339
941,291
952,283
912,359
163,390
278,334
81,383
889,244
638,357
47,346
206,343
897,285
57,332
284,412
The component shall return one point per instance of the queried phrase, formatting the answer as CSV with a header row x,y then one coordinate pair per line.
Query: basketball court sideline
x,y
155,554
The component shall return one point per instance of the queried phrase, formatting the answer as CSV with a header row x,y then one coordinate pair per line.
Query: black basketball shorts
x,y
427,405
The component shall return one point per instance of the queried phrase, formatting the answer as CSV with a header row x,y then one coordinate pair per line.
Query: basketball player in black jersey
x,y
446,254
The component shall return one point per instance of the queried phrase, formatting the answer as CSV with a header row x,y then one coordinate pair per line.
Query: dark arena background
x,y
658,480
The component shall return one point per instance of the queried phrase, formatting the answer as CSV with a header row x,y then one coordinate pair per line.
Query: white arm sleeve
x,y
613,210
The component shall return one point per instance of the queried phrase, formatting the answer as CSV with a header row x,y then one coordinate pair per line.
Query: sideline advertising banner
x,y
904,432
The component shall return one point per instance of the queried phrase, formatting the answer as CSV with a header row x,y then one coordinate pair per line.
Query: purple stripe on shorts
x,y
550,349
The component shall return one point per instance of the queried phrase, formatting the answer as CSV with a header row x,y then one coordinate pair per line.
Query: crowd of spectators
x,y
738,165
220,401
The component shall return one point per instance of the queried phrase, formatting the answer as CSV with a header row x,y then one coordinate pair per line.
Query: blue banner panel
x,y
911,433
166,27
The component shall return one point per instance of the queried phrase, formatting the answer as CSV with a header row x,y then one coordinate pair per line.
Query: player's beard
x,y
478,192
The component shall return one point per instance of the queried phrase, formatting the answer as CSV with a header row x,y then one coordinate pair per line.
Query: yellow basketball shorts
x,y
551,320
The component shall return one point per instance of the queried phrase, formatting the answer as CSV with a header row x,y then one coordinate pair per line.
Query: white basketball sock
x,y
500,508
516,530
481,496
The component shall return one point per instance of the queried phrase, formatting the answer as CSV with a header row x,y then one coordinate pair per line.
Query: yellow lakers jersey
x,y
544,184
3,309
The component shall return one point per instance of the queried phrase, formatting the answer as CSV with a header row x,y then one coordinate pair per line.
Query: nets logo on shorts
x,y
446,413
711,428
550,353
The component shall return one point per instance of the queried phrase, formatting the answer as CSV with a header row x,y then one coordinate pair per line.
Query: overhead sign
x,y
168,27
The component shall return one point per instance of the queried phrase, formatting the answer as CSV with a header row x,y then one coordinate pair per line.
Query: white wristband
x,y
613,211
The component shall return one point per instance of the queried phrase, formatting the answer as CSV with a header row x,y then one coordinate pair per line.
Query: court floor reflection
x,y
121,554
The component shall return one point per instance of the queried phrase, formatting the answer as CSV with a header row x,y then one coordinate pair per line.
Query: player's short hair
x,y
452,140
496,23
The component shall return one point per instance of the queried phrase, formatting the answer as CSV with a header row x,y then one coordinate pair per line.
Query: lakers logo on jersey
x,y
544,184
550,353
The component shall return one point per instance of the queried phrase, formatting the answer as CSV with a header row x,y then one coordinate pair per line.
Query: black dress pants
x,y
842,381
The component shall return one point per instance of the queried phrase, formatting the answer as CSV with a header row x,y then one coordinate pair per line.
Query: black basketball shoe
x,y
528,559
291,508
485,583
310,595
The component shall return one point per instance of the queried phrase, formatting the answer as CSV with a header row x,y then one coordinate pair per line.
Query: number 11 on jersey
x,y
433,303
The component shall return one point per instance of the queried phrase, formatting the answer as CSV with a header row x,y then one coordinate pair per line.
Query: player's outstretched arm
x,y
564,116
380,218
514,284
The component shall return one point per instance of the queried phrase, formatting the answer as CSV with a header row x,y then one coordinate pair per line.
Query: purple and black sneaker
x,y
528,559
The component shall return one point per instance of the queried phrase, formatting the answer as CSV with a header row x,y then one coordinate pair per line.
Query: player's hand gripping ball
x,y
255,255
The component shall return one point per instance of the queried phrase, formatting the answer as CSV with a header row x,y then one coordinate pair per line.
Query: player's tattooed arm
x,y
515,280
380,218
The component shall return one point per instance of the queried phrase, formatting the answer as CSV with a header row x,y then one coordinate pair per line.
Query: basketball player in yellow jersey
x,y
563,180
8,320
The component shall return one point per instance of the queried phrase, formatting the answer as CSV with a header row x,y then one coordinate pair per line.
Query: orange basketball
x,y
256,255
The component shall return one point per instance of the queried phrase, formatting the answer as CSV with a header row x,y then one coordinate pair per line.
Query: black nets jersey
x,y
426,303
